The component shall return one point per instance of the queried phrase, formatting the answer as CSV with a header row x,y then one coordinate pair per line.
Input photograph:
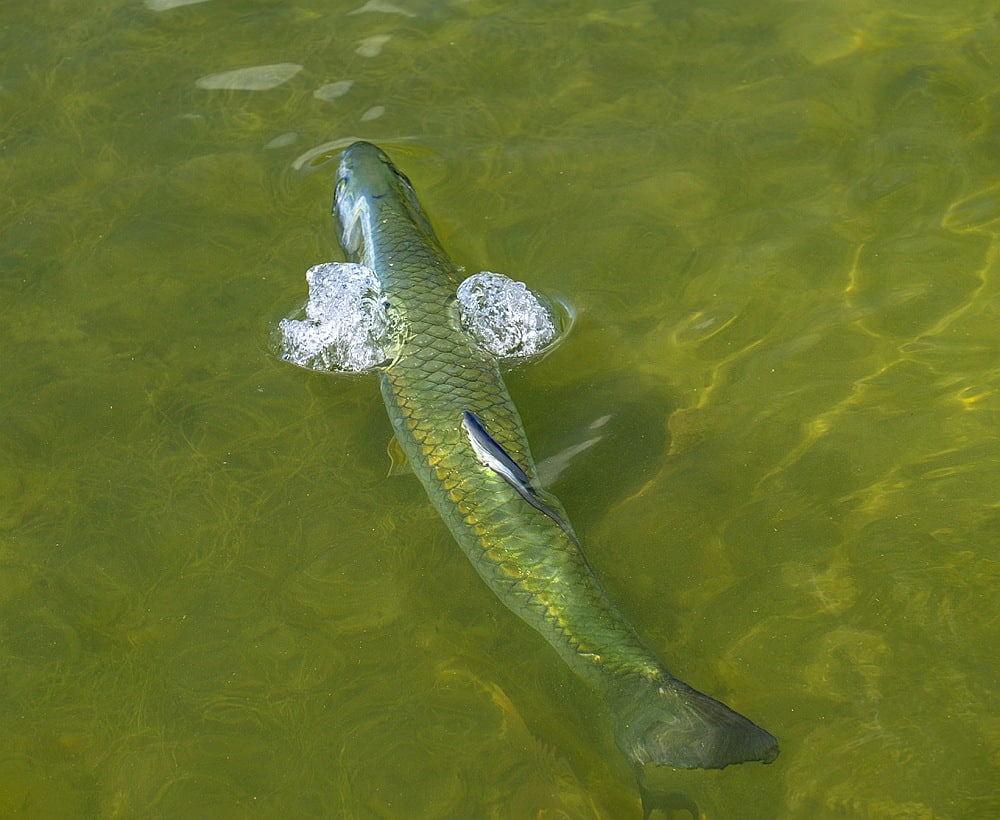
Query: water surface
x,y
779,228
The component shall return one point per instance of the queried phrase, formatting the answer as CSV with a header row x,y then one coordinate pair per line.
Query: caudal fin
x,y
670,724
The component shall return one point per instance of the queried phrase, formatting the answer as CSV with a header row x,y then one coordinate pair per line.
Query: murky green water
x,y
780,228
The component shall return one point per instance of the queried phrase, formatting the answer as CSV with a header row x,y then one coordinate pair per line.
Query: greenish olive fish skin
x,y
529,556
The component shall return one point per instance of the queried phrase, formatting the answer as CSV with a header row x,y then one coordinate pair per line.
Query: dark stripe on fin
x,y
492,455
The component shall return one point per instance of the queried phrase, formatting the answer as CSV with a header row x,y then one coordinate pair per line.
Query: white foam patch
x,y
506,318
348,326
252,78
372,46
163,5
382,6
333,91
282,140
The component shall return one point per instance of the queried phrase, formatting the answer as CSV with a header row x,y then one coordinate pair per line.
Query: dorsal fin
x,y
492,455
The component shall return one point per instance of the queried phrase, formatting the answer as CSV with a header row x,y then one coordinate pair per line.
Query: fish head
x,y
368,187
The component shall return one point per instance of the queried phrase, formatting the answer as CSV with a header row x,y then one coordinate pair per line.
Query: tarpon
x,y
461,433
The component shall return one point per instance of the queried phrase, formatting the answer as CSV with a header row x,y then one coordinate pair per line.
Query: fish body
x,y
479,475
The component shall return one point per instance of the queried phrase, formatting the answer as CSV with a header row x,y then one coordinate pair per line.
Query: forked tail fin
x,y
667,723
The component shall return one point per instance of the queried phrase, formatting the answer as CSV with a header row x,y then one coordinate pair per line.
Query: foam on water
x,y
505,317
251,78
348,326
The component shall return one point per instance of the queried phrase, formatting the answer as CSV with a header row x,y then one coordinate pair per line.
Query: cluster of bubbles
x,y
348,324
505,317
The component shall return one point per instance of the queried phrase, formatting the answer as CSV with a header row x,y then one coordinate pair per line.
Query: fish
x,y
454,419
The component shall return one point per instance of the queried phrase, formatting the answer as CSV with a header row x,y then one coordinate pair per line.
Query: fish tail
x,y
667,723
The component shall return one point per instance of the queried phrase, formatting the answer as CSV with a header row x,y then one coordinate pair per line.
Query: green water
x,y
779,226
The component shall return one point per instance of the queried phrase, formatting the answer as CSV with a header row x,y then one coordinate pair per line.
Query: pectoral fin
x,y
399,464
492,455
